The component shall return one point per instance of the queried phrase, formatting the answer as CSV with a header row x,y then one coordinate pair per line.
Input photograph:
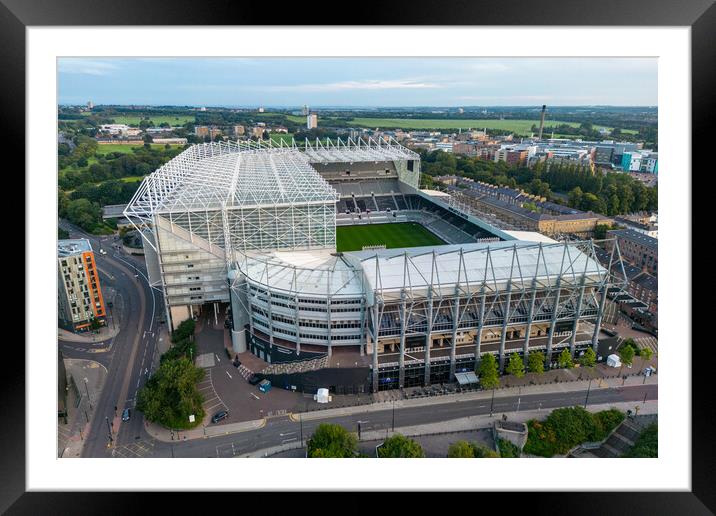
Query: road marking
x,y
227,374
287,433
217,357
289,440
254,395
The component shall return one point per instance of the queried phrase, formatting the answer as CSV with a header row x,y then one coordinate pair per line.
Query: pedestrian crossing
x,y
647,342
644,342
245,372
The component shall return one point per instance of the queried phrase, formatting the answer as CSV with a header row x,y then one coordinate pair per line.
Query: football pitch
x,y
407,234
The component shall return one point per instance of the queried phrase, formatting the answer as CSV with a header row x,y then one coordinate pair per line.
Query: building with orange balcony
x,y
79,294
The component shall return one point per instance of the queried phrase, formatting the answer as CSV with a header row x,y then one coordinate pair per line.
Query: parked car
x,y
254,379
126,414
264,386
219,416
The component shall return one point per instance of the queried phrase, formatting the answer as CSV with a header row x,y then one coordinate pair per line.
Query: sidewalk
x,y
461,425
80,408
486,421
600,383
104,333
204,431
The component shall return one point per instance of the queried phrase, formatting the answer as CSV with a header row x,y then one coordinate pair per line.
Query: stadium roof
x,y
474,265
248,174
318,272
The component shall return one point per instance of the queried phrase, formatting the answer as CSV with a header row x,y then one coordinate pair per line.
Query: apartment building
x,y
78,290
639,249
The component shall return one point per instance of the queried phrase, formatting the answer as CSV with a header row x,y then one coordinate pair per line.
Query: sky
x,y
359,82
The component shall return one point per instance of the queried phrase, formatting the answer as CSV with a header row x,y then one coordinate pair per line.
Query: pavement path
x,y
512,397
88,378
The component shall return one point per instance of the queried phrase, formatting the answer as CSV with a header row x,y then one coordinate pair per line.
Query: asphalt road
x,y
282,430
129,361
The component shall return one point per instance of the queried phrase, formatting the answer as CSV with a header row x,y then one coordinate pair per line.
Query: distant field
x,y
519,126
293,118
410,234
126,148
159,119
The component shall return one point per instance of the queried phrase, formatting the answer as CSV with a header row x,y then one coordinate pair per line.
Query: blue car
x,y
125,414
219,416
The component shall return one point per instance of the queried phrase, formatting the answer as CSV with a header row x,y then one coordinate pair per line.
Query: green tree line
x,y
610,193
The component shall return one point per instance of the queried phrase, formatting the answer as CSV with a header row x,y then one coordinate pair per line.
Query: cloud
x,y
527,98
486,66
85,66
398,84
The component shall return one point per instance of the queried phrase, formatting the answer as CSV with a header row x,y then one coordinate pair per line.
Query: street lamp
x,y
589,388
88,394
393,425
492,403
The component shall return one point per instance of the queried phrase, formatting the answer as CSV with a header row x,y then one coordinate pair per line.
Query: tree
x,y
575,197
466,450
565,359
331,440
170,396
646,354
516,366
480,451
83,213
399,446
600,231
626,354
535,362
489,375
461,450
95,324
589,358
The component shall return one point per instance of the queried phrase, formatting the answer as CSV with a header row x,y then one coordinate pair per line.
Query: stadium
x,y
337,270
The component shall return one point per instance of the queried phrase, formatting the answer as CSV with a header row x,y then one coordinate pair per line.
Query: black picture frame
x,y
700,15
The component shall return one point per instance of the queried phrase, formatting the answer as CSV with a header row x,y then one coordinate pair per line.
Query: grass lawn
x,y
130,179
277,137
127,148
519,126
410,234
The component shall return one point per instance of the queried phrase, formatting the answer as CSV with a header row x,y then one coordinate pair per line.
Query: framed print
x,y
433,238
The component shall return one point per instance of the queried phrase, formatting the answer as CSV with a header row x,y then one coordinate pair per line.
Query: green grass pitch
x,y
408,234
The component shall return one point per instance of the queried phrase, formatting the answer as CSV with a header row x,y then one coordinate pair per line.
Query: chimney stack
x,y
541,122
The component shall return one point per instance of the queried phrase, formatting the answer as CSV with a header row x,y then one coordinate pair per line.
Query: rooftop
x,y
491,264
635,236
249,174
71,247
317,272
